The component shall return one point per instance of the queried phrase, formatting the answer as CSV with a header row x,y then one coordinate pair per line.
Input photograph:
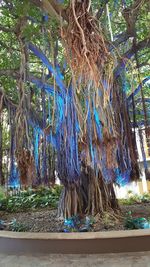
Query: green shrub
x,y
134,199
145,197
32,199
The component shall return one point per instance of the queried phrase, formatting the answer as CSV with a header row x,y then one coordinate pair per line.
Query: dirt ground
x,y
46,220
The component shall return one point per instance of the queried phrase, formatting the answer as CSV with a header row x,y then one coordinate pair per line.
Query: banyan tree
x,y
75,110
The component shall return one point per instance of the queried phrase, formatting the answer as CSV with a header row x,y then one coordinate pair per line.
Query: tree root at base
x,y
93,197
70,202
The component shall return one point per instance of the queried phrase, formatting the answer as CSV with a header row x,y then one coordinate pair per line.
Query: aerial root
x,y
84,42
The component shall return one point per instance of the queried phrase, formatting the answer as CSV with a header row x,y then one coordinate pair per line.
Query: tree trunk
x,y
92,195
1,153
71,201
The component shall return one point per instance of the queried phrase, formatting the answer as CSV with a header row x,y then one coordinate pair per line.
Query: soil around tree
x,y
46,220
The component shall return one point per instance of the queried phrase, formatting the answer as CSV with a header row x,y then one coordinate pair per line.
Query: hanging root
x,y
26,166
86,49
101,196
92,196
70,202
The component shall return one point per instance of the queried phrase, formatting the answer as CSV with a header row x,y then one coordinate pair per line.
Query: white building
x,y
141,186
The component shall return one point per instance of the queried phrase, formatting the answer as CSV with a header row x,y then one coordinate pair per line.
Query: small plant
x,y
136,222
134,199
18,227
145,198
78,224
130,192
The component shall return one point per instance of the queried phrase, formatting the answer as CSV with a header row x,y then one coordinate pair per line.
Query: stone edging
x,y
75,243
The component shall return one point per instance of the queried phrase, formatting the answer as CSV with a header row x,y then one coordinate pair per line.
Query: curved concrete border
x,y
75,243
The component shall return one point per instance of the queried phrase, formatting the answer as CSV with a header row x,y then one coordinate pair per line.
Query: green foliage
x,y
2,194
134,199
32,199
135,223
10,49
145,197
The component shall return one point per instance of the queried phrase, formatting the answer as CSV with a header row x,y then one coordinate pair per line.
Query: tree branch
x,y
123,37
143,64
52,8
14,73
33,117
130,15
7,102
130,97
141,45
101,9
7,30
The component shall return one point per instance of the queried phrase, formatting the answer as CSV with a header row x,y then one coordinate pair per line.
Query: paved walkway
x,y
141,259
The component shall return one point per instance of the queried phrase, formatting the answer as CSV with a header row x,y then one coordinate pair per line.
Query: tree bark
x,y
1,152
